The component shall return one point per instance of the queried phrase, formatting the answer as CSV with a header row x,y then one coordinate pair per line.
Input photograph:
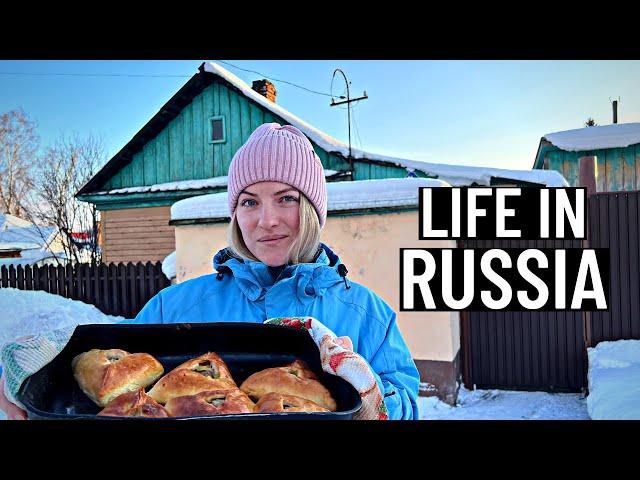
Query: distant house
x,y
616,146
23,243
186,148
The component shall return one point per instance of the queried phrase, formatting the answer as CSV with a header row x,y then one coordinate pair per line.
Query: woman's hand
x,y
338,358
12,411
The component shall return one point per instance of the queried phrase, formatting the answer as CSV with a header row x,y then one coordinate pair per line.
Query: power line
x,y
274,79
94,75
355,127
133,75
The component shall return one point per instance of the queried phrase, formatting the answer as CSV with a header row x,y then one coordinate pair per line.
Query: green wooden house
x,y
616,146
186,149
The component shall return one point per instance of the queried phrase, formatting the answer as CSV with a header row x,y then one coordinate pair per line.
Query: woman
x,y
276,266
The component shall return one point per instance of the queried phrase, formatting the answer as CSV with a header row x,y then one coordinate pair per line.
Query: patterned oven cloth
x,y
338,358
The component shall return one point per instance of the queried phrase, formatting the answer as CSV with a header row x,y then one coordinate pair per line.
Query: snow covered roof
x,y
456,175
16,233
172,186
212,182
34,256
618,135
390,192
7,221
11,246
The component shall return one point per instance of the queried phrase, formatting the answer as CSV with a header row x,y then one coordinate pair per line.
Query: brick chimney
x,y
265,88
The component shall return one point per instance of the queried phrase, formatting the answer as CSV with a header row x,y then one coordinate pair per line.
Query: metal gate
x,y
614,222
523,350
547,350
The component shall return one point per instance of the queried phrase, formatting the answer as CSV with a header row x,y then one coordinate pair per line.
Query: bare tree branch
x,y
18,146
63,169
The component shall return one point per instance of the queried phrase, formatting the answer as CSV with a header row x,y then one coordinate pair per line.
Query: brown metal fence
x,y
614,223
547,350
524,350
116,289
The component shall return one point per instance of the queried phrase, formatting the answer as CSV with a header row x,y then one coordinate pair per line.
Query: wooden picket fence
x,y
116,289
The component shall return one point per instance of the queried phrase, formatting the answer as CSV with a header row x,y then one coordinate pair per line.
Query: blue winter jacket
x,y
244,291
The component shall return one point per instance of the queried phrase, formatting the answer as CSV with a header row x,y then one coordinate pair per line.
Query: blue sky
x,y
489,113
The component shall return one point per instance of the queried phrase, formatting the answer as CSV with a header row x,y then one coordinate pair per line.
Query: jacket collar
x,y
308,280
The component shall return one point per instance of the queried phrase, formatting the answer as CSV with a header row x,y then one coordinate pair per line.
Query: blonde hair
x,y
303,249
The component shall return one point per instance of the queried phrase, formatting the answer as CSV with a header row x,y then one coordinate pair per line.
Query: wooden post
x,y
12,276
132,286
28,278
588,174
20,277
587,178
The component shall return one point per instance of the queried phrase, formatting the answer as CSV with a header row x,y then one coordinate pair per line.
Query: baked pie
x,y
106,374
293,379
134,404
212,402
279,403
207,372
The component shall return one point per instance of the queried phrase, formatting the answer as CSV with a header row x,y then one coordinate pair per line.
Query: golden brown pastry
x,y
213,402
134,404
207,372
106,374
279,403
293,379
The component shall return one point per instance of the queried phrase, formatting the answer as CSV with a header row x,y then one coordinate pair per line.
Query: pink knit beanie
x,y
275,153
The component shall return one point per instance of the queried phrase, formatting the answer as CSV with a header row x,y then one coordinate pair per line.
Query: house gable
x,y
174,147
181,149
618,168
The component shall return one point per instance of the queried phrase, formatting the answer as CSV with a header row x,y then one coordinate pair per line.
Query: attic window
x,y
216,130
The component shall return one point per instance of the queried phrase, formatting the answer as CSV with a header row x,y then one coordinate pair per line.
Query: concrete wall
x,y
369,245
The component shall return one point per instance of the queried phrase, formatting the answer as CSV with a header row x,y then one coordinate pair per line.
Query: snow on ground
x,y
505,405
32,312
25,313
614,380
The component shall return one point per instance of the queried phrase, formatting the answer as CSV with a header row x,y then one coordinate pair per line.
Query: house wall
x,y
369,246
618,169
137,234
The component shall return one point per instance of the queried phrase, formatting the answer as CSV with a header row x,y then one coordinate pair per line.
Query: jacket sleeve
x,y
397,374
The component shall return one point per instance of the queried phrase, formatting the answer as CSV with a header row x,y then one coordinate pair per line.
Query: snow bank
x,y
33,312
169,266
614,380
390,192
617,135
505,405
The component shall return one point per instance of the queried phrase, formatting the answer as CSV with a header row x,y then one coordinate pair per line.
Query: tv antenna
x,y
348,101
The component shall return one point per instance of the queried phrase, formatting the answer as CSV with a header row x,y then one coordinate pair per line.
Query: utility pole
x,y
348,101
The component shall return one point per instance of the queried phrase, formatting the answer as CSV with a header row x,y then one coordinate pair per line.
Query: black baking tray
x,y
53,393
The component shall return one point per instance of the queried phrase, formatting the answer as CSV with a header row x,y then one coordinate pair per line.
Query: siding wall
x,y
618,168
137,234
